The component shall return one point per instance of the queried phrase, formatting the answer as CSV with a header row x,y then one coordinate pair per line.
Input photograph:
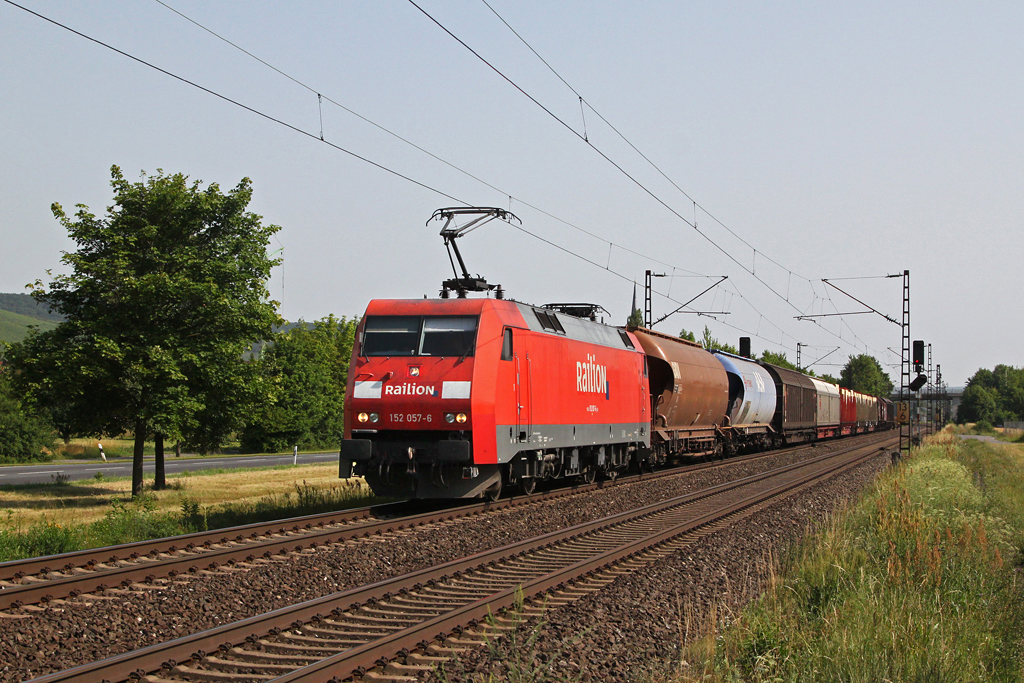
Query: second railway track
x,y
40,580
398,627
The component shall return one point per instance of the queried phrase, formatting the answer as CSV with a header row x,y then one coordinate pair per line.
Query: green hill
x,y
23,304
14,326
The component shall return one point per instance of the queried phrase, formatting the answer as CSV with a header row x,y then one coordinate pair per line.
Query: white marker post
x,y
102,454
295,455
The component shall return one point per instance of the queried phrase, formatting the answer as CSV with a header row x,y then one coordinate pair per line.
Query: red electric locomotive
x,y
452,398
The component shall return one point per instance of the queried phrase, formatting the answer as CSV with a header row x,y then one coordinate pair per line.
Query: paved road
x,y
35,474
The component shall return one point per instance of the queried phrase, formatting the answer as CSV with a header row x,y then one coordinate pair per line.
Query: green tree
x,y
308,366
993,396
978,404
23,436
779,359
710,343
688,336
830,379
165,294
864,373
635,319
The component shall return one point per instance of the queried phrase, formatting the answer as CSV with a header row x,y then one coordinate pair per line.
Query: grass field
x,y
14,326
58,517
919,581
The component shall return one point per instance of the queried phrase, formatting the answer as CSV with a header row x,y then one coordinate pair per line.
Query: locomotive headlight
x,y
362,417
460,418
449,417
374,417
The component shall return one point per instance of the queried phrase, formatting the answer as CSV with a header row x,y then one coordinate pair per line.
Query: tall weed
x,y
911,584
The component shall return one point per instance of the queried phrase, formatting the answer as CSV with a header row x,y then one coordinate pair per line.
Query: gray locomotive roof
x,y
575,328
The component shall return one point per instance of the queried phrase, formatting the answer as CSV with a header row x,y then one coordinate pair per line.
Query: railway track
x,y
395,629
42,580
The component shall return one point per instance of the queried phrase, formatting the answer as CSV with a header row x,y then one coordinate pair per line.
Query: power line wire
x,y
348,152
234,102
611,161
696,204
610,243
664,175
412,144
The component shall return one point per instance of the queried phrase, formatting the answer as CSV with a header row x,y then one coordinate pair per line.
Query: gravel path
x,y
39,640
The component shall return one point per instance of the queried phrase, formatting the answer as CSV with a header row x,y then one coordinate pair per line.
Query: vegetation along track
x,y
396,628
41,580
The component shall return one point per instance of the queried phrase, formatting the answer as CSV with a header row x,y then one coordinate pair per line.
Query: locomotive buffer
x,y
450,232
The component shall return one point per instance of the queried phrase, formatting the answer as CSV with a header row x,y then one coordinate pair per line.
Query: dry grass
x,y
83,502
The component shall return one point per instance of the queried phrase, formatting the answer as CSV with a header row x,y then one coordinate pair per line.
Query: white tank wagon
x,y
752,402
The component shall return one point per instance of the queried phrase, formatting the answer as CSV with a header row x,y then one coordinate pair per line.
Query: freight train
x,y
463,397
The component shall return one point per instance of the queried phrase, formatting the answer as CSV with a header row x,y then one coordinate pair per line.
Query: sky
x,y
785,142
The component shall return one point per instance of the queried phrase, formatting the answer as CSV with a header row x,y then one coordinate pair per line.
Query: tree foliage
x,y
993,396
308,367
688,336
864,373
780,360
24,436
164,295
710,343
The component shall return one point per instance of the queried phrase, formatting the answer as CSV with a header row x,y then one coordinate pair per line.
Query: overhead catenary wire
x,y
225,98
602,154
337,147
696,205
653,165
611,245
405,140
314,136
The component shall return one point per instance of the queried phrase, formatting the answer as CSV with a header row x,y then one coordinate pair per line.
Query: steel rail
x,y
224,638
90,570
365,657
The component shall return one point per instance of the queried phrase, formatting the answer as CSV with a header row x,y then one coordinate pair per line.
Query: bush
x,y
308,365
983,427
24,437
134,520
40,539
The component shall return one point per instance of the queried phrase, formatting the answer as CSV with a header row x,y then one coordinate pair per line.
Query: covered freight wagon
x,y
689,392
796,404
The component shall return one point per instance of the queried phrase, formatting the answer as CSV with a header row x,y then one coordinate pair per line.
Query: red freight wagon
x,y
859,412
452,398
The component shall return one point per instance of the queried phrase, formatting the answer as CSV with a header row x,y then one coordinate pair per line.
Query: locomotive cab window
x,y
391,335
416,335
448,336
506,344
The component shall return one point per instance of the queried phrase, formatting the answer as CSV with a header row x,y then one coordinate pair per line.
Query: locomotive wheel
x,y
589,475
527,485
494,492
